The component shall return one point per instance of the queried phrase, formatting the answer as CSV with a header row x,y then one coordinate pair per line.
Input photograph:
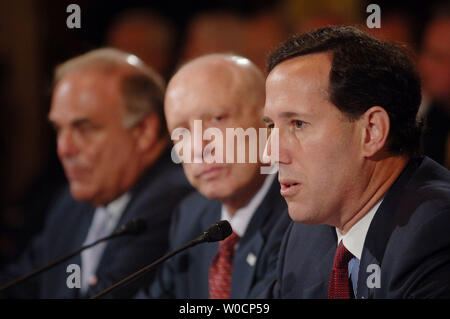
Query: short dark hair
x,y
365,72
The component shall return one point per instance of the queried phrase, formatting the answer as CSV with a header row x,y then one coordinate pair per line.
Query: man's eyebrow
x,y
286,115
290,114
77,122
297,115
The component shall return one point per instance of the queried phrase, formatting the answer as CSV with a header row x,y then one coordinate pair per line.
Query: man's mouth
x,y
210,172
288,187
74,173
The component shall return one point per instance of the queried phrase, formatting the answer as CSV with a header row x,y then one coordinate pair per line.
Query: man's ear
x,y
147,132
376,125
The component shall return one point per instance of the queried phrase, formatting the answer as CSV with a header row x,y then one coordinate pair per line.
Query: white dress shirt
x,y
239,221
103,223
355,237
354,241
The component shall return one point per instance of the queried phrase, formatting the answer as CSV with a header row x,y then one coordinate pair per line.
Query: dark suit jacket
x,y
186,274
409,239
153,197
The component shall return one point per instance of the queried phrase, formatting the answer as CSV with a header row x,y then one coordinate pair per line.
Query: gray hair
x,y
142,90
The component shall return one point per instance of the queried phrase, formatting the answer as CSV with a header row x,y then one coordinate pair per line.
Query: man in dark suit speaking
x,y
107,109
215,94
372,219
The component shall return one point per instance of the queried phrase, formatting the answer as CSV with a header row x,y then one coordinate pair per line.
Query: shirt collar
x,y
117,206
355,237
239,221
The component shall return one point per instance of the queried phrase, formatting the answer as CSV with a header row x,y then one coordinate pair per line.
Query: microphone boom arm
x,y
142,271
134,227
216,232
52,264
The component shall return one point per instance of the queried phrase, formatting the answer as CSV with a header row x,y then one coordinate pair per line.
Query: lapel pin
x,y
251,259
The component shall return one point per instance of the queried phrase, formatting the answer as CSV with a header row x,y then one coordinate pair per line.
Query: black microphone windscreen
x,y
218,231
133,227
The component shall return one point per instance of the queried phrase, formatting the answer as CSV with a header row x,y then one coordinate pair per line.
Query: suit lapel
x,y
374,246
380,231
326,264
317,277
73,234
144,184
251,244
244,265
111,244
76,227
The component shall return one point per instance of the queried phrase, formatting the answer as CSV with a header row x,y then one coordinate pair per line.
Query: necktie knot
x,y
342,256
226,246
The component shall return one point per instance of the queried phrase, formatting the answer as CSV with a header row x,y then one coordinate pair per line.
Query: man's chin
x,y
214,193
301,215
80,193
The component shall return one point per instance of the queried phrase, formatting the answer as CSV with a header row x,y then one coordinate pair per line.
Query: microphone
x,y
133,227
216,232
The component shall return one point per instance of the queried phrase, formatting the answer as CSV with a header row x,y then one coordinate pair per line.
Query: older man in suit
x,y
372,218
221,92
107,109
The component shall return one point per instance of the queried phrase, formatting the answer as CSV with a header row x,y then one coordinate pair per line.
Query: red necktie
x,y
221,269
339,286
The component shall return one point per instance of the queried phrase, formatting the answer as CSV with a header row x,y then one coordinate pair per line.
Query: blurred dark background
x,y
34,38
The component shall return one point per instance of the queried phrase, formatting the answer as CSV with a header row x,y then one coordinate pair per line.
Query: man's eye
x,y
218,118
87,127
298,123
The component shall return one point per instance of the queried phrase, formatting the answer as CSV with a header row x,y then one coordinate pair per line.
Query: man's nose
x,y
66,144
197,142
276,149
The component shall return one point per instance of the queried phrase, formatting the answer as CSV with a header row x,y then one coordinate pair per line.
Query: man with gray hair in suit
x,y
222,92
107,110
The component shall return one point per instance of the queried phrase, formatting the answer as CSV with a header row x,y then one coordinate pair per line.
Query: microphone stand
x,y
147,268
216,232
133,227
52,264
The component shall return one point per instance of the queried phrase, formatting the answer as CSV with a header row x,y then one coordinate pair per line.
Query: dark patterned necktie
x,y
339,286
221,269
